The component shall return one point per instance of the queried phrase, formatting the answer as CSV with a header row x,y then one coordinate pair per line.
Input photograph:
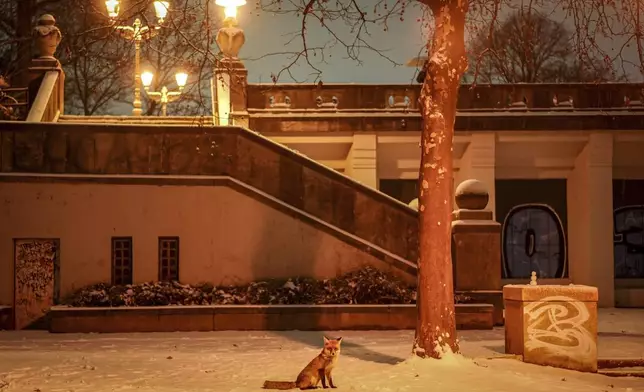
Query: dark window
x,y
533,240
121,260
628,215
402,190
169,259
629,242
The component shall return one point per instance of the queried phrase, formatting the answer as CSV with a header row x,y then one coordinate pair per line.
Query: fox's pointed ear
x,y
339,340
326,340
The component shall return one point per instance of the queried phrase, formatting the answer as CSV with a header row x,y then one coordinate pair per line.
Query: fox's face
x,y
332,346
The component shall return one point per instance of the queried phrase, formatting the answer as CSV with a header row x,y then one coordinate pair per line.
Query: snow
x,y
241,361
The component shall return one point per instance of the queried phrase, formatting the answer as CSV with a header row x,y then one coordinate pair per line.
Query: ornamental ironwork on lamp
x,y
164,96
137,33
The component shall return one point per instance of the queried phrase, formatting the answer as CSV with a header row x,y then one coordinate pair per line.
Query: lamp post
x,y
230,74
164,96
137,33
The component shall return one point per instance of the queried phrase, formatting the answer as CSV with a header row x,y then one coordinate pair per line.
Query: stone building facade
x,y
320,186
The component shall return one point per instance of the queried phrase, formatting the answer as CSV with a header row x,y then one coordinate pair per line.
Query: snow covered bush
x,y
365,286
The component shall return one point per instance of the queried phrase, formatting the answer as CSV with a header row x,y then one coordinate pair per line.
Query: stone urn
x,y
47,37
230,39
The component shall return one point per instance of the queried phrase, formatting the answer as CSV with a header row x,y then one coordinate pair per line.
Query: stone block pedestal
x,y
476,247
552,325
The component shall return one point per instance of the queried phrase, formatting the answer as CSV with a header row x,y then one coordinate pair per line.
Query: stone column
x,y
230,92
478,162
590,218
476,247
362,163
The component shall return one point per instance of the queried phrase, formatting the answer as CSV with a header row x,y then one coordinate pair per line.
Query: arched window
x,y
628,242
533,240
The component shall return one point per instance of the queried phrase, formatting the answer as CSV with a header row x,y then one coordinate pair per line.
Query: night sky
x,y
268,34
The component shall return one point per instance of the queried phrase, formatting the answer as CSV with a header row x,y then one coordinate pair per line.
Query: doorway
x,y
36,281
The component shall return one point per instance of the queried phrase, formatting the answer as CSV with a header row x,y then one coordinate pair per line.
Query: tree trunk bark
x,y
25,11
436,329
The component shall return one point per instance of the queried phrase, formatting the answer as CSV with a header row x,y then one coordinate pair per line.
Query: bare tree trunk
x,y
436,329
24,25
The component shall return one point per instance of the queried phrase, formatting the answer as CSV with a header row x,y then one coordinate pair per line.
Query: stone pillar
x,y
362,163
476,247
230,92
590,218
478,162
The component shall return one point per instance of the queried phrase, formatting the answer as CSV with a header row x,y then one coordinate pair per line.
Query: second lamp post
x,y
137,33
164,96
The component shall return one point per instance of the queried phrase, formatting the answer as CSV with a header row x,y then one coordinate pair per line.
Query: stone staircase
x,y
364,217
384,226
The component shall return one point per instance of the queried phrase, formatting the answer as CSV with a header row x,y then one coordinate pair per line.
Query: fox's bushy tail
x,y
279,385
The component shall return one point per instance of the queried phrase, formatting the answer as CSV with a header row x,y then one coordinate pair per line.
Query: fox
x,y
319,369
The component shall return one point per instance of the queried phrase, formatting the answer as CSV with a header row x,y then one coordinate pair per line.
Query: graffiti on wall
x,y
533,239
560,326
36,265
628,242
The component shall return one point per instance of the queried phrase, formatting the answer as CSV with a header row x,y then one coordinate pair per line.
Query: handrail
x,y
49,100
14,102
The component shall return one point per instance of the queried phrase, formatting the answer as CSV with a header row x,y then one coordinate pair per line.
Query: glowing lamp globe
x,y
230,7
146,78
112,8
161,9
182,79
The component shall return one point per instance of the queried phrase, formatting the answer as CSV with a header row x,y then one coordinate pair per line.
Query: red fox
x,y
319,369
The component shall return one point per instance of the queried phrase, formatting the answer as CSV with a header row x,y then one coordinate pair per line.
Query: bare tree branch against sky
x,y
529,47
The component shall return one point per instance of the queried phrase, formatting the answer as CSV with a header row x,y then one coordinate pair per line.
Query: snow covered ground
x,y
240,361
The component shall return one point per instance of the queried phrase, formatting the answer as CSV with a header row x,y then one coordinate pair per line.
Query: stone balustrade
x,y
401,97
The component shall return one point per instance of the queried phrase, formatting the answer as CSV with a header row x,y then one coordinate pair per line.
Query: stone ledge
x,y
254,318
527,293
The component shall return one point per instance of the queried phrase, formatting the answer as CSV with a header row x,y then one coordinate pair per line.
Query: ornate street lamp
x,y
137,33
230,73
230,38
164,96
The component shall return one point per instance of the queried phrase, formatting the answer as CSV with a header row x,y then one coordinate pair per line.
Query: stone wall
x,y
226,236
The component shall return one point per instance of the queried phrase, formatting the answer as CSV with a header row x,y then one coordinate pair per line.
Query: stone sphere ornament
x,y
471,195
47,36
